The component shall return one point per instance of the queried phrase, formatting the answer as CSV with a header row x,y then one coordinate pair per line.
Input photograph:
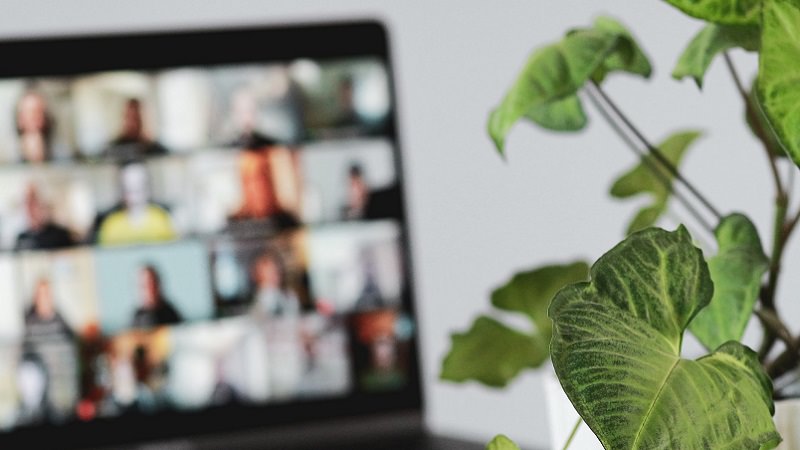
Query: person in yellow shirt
x,y
140,220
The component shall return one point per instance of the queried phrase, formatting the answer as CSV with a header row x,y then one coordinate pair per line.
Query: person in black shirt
x,y
41,234
132,143
362,202
155,309
244,110
42,318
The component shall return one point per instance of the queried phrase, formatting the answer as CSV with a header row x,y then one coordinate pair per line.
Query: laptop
x,y
203,242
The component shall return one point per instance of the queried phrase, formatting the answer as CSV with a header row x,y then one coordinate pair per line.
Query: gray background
x,y
474,218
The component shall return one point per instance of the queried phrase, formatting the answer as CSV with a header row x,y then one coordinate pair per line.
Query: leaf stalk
x,y
653,150
573,433
761,133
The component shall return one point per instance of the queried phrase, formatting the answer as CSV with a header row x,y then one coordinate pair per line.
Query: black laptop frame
x,y
143,51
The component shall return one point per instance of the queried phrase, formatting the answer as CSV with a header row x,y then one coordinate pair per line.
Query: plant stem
x,y
777,328
781,229
653,150
790,358
767,295
761,133
660,176
790,225
573,433
785,362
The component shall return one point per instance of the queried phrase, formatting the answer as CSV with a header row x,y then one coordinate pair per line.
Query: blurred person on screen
x,y
259,188
365,203
138,219
49,340
154,308
150,379
348,116
138,370
42,233
42,319
95,381
259,199
244,110
357,194
34,127
132,142
32,387
272,296
370,296
377,350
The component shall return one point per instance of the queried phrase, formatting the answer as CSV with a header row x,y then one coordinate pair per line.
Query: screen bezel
x,y
64,56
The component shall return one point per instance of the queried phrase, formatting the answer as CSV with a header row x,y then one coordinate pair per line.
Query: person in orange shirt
x,y
259,200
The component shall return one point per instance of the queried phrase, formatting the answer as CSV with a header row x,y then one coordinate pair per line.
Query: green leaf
x,y
723,12
759,124
492,353
616,350
641,179
627,57
710,41
736,270
779,71
552,73
545,89
565,114
501,442
530,292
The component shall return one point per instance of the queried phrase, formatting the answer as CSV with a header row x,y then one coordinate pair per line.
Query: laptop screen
x,y
200,232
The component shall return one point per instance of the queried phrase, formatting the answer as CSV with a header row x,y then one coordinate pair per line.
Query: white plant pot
x,y
787,418
562,417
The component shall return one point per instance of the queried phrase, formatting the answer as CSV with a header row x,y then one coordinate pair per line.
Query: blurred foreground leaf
x,y
709,42
545,91
501,442
493,353
642,179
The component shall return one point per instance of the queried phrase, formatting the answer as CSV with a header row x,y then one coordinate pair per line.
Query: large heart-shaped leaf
x,y
650,177
545,89
779,71
709,42
501,442
616,350
736,270
724,12
493,353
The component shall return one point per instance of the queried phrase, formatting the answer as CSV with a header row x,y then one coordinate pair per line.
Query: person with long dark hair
x,y
154,307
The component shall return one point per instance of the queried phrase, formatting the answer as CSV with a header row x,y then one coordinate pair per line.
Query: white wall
x,y
475,218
